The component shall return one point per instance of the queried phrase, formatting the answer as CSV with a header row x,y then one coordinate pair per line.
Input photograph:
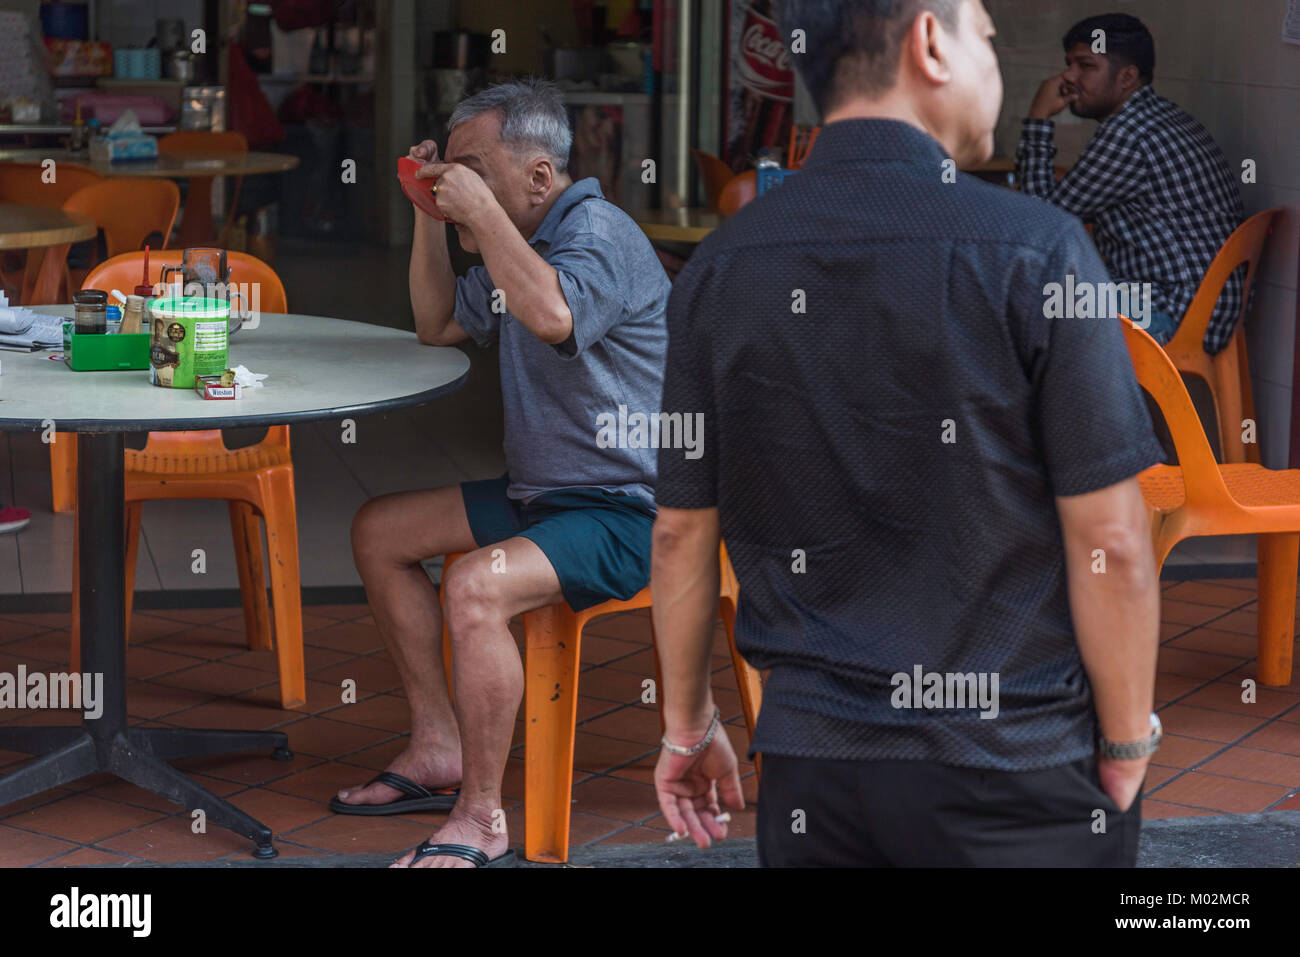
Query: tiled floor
x,y
191,669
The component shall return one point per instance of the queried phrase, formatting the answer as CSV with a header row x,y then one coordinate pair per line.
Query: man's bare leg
x,y
489,681
391,535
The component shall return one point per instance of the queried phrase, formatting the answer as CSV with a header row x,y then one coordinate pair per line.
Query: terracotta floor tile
x,y
597,649
143,661
640,663
310,622
197,616
234,714
1238,622
1235,644
641,770
1205,593
616,798
52,647
353,834
1279,736
145,699
326,738
89,857
742,824
1158,775
372,674
1169,630
378,757
1178,612
1154,810
34,800
314,658
609,684
1212,792
82,818
280,812
199,641
20,848
322,697
117,791
596,753
247,769
631,723
385,712
217,678
358,637
1250,669
1209,725
1179,751
341,612
45,619
1252,764
145,627
11,630
1226,696
1170,687
172,841
629,626
1195,664
1290,804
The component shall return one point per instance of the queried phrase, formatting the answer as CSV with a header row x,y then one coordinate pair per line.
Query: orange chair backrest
x,y
742,189
715,174
801,144
25,183
203,141
124,272
1245,245
128,210
1156,373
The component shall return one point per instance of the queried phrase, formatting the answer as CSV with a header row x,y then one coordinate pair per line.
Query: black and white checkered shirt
x,y
1160,196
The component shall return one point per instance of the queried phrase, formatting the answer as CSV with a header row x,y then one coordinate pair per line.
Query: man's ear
x,y
1129,78
925,49
543,175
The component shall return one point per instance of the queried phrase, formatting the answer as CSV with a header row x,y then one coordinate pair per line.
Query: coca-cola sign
x,y
765,64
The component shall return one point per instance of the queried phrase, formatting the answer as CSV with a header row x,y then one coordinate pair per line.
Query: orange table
x,y
200,168
37,227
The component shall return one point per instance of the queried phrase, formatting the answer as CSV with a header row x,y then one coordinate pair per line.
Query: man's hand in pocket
x,y
1122,780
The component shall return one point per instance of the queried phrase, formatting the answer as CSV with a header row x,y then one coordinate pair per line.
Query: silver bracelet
x,y
708,737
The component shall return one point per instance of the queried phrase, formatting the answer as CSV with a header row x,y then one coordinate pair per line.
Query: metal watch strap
x,y
708,737
1132,750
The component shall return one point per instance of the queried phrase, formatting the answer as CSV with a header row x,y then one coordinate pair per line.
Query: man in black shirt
x,y
922,457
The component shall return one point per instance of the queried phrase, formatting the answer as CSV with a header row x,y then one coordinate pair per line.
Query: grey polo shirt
x,y
561,400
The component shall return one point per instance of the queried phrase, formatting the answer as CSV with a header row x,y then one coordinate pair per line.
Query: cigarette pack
x,y
210,387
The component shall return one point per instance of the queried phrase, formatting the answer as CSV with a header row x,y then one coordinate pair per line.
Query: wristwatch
x,y
1130,750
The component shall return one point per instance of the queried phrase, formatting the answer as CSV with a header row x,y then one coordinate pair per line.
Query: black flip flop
x,y
418,798
466,853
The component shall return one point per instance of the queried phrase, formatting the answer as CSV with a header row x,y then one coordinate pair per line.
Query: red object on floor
x,y
12,518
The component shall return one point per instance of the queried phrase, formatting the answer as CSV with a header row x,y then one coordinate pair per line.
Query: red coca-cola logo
x,y
764,61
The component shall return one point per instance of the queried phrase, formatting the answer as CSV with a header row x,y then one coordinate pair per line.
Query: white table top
x,y
317,368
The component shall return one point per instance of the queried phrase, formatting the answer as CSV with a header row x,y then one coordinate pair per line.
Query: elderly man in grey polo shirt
x,y
574,298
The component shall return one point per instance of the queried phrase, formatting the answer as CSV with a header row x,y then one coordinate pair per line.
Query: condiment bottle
x,y
133,316
91,315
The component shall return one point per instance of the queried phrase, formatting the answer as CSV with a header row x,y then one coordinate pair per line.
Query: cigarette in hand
x,y
723,818
676,837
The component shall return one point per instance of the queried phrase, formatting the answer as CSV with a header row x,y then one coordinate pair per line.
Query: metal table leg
x,y
137,755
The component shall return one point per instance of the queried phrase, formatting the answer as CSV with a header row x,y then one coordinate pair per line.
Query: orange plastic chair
x,y
715,174
26,184
255,481
128,211
741,189
1201,497
1227,373
552,638
196,224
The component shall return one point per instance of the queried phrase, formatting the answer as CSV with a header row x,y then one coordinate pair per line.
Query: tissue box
x,y
210,387
129,146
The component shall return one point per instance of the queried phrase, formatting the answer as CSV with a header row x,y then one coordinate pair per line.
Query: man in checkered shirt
x,y
1154,184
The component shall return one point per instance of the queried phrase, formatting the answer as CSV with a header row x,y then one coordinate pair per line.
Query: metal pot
x,y
180,66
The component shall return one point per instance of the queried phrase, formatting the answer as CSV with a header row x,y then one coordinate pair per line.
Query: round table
x,y
317,368
198,167
688,225
31,227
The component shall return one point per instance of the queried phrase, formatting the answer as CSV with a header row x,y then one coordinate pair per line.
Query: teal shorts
x,y
598,542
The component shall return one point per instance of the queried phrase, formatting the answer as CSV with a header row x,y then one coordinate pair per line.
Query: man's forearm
x,y
530,284
684,581
1117,624
1035,157
431,280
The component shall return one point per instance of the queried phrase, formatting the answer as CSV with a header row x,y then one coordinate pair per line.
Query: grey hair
x,y
532,115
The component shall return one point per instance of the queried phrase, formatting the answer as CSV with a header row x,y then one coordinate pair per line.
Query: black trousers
x,y
820,813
